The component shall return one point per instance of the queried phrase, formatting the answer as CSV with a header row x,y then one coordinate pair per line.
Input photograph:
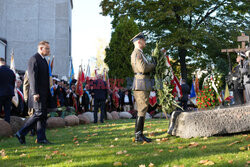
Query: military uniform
x,y
237,86
244,71
142,85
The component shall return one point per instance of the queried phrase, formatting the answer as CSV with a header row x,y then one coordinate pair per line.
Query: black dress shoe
x,y
148,140
44,142
20,138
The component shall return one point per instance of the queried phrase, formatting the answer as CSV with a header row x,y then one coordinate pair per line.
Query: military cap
x,y
137,37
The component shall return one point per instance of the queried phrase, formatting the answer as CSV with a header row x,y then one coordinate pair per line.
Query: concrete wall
x,y
26,22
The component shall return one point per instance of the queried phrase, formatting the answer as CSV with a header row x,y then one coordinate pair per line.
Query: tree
x,y
120,48
188,29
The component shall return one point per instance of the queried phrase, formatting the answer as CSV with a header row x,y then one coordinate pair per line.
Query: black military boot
x,y
148,140
138,129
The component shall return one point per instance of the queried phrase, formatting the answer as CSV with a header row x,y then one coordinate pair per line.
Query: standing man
x,y
100,93
185,91
7,85
39,94
244,67
237,80
141,85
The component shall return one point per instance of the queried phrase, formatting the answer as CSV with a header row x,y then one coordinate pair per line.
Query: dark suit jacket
x,y
185,91
7,83
100,90
38,72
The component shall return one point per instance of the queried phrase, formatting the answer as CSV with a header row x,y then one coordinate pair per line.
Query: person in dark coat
x,y
100,93
7,86
39,94
185,91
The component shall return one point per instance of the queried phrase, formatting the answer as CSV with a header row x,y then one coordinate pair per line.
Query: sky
x,y
88,26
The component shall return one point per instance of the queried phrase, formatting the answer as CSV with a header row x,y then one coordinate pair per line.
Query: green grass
x,y
98,144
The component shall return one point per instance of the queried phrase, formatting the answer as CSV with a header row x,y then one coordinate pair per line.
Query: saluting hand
x,y
36,97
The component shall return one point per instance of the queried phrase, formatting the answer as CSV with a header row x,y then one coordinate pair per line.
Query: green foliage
x,y
192,31
120,48
162,76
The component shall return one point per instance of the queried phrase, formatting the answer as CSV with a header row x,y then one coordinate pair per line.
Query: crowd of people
x,y
33,95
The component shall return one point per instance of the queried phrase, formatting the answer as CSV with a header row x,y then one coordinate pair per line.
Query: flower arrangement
x,y
207,98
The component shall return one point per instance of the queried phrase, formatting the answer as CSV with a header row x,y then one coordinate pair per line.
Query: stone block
x,y
115,115
125,115
55,122
16,123
5,129
89,116
83,119
209,123
71,120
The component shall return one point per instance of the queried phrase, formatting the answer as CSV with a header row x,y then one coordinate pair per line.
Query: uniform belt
x,y
141,73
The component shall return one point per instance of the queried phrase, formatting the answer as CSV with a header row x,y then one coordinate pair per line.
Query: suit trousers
x,y
99,103
141,98
39,117
5,101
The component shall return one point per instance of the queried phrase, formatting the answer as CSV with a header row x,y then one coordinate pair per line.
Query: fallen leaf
x,y
220,157
242,148
63,154
193,144
248,162
111,146
204,138
151,165
133,140
125,164
155,154
69,161
233,143
47,157
127,155
142,165
119,153
41,146
164,139
161,150
117,164
180,147
2,153
55,152
74,139
206,162
144,143
94,134
85,141
23,155
62,145
116,139
158,140
48,148
5,157
152,134
248,138
230,161
170,151
76,142
203,147
124,151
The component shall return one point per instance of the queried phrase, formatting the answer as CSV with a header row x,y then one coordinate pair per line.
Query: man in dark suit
x,y
7,86
185,91
39,94
100,93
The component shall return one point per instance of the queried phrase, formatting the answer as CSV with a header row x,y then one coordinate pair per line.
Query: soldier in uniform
x,y
141,85
244,67
237,82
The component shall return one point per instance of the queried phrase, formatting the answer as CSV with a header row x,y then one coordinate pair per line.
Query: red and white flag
x,y
177,87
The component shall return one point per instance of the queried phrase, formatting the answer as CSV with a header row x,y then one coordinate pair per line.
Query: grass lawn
x,y
110,144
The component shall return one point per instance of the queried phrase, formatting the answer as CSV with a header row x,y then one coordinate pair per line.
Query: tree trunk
x,y
182,55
